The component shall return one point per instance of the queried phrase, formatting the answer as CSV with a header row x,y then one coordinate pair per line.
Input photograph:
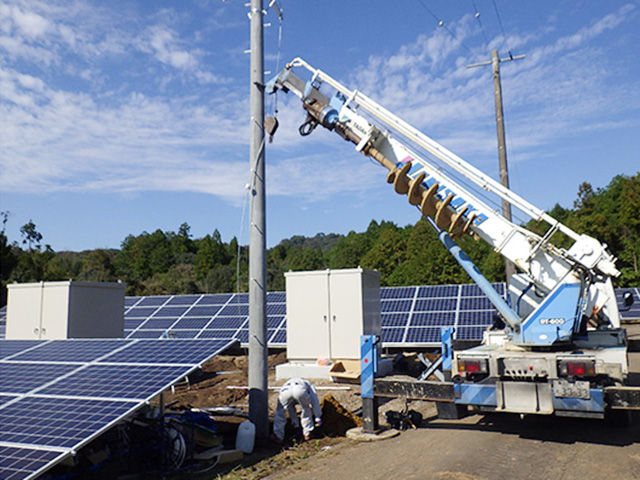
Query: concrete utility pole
x,y
258,382
510,269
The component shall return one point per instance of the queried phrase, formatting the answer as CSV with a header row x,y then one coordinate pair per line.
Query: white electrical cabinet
x,y
328,311
59,310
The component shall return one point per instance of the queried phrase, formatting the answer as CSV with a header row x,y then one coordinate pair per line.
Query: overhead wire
x,y
477,16
506,41
443,25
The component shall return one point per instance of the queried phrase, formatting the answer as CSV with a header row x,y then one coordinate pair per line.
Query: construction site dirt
x,y
478,447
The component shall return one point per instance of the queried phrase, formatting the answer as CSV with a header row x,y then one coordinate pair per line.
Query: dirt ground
x,y
479,447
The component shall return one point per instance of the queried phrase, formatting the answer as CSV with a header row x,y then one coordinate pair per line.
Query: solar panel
x,y
8,348
58,395
3,321
422,335
184,300
435,291
436,304
7,398
392,335
215,299
204,311
393,305
191,323
154,301
19,378
195,316
415,321
58,422
397,292
182,352
19,463
440,319
280,336
185,334
394,319
155,334
133,382
632,312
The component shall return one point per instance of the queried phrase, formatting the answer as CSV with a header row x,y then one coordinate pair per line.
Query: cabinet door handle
x,y
334,318
324,318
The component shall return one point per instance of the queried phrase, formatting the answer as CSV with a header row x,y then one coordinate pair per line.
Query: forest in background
x,y
176,263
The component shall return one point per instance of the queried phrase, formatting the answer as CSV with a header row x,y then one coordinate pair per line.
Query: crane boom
x,y
392,142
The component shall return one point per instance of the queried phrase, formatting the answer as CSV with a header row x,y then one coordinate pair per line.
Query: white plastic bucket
x,y
246,436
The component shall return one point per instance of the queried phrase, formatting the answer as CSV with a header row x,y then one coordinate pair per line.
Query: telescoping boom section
x,y
561,303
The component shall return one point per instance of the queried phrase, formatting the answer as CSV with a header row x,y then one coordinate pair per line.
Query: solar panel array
x,y
3,321
222,315
410,315
58,395
413,316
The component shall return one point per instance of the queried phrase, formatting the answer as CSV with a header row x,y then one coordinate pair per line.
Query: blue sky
x,y
127,116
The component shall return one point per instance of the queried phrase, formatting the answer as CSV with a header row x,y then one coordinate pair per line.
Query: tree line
x,y
176,263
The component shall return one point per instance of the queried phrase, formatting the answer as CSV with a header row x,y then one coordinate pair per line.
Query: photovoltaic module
x,y
58,395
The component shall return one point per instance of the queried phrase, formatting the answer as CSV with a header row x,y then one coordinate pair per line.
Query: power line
x,y
442,24
506,42
477,15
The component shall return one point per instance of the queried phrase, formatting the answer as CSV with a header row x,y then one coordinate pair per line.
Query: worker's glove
x,y
318,422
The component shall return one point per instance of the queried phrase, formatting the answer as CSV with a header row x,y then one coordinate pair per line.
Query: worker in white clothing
x,y
303,393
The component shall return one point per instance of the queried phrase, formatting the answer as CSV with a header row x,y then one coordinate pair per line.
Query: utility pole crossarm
x,y
507,59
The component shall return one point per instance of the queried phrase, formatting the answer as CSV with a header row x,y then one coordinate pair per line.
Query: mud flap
x,y
524,397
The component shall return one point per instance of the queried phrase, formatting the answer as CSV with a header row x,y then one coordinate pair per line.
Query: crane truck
x,y
557,347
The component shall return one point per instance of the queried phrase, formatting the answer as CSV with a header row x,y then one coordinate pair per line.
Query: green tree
x,y
301,259
8,259
30,236
211,253
349,251
386,254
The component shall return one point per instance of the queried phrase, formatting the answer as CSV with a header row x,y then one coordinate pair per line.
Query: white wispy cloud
x,y
57,138
553,92
75,118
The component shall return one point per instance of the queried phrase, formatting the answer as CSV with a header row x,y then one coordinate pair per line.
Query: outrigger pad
x,y
451,411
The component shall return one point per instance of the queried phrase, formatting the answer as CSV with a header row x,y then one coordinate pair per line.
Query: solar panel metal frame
x,y
169,363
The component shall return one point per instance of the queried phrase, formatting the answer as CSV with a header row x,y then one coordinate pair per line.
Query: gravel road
x,y
485,447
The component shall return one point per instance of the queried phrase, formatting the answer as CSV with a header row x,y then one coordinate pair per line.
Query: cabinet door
x,y
308,317
346,314
55,313
24,314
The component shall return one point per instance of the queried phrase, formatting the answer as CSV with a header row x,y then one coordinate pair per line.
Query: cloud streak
x,y
76,115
